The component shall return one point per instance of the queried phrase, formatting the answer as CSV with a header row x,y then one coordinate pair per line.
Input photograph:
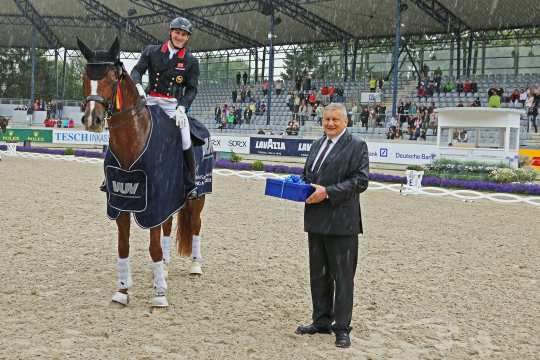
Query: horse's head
x,y
4,121
103,70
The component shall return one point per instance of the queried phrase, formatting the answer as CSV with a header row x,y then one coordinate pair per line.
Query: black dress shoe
x,y
312,329
342,339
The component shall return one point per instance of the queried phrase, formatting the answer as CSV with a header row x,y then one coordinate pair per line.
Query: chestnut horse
x,y
111,96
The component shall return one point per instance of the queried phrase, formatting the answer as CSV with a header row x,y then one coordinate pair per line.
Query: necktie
x,y
321,157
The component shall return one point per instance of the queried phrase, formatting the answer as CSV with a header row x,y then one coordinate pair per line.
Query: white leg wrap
x,y
160,284
166,248
186,137
124,274
196,247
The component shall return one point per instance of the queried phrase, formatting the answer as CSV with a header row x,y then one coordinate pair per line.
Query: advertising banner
x,y
80,137
406,154
226,143
20,135
369,97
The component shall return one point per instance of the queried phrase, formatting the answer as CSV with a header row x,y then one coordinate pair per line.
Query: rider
x,y
173,74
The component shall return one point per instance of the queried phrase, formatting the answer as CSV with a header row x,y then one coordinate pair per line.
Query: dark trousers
x,y
332,266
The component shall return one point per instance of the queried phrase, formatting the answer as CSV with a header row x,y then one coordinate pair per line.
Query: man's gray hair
x,y
338,107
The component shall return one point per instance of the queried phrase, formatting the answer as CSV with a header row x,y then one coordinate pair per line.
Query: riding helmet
x,y
182,24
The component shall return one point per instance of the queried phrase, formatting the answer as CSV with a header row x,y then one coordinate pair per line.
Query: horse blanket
x,y
204,158
152,189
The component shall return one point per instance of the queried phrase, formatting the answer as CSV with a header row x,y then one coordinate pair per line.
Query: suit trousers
x,y
332,266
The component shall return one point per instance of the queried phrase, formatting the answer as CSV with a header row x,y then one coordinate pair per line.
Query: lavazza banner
x,y
225,143
79,137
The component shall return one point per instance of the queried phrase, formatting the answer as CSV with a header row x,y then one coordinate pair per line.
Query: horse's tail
x,y
184,235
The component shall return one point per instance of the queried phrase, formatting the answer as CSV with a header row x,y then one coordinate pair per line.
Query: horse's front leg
x,y
158,268
123,222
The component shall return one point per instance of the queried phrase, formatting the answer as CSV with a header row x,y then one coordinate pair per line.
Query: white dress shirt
x,y
334,142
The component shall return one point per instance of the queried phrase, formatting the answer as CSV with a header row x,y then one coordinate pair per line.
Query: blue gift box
x,y
288,190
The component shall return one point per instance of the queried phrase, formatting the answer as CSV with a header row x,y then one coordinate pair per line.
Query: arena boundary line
x,y
464,195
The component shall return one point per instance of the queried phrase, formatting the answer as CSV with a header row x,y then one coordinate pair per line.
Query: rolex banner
x,y
21,135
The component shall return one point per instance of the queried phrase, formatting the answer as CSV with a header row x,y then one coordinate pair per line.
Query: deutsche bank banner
x,y
225,143
406,154
280,146
370,97
80,137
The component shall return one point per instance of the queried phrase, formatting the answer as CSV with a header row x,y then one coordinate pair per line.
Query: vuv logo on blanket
x,y
125,188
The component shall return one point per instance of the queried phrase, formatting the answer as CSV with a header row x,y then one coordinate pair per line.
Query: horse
x,y
112,97
4,122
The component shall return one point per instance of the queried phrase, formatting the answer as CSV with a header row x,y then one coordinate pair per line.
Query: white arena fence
x,y
464,195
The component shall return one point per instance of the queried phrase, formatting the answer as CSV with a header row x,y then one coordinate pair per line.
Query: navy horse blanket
x,y
152,189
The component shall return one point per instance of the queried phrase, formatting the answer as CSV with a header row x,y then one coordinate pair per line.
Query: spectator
x,y
514,97
372,85
523,97
476,102
494,100
380,84
265,86
463,136
292,128
306,84
217,114
364,117
238,76
243,94
448,87
245,78
279,87
230,118
459,88
460,104
234,95
467,87
320,110
532,113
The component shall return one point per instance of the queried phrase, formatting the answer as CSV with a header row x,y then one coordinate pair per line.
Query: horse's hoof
x,y
120,298
195,268
160,302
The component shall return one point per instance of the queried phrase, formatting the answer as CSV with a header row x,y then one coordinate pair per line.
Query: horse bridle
x,y
108,104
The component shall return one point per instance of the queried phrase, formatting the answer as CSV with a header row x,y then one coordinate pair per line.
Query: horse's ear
x,y
85,50
114,51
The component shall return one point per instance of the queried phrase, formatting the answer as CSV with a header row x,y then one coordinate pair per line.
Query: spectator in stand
x,y
320,111
467,87
238,116
234,95
279,87
242,94
372,85
459,88
380,84
298,83
238,77
355,113
460,104
532,112
448,87
292,128
325,93
245,78
217,114
421,93
265,86
314,111
230,118
312,98
30,115
514,97
523,97
476,103
494,100
290,101
364,117
306,84
251,111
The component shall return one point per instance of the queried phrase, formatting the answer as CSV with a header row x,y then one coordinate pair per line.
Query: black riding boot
x,y
190,169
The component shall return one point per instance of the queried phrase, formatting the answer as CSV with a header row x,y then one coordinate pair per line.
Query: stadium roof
x,y
222,24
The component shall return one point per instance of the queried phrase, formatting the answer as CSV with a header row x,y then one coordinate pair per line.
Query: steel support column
x,y
395,59
270,67
34,65
355,55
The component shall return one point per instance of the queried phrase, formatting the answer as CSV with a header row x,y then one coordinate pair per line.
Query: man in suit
x,y
338,168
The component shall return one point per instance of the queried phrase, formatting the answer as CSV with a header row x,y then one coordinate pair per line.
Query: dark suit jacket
x,y
344,173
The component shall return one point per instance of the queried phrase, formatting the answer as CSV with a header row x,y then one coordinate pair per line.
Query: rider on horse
x,y
173,78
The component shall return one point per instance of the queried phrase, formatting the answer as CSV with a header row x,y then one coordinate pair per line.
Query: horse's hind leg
x,y
158,268
166,240
196,210
125,281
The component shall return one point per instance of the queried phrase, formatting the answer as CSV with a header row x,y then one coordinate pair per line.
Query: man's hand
x,y
318,196
141,91
181,117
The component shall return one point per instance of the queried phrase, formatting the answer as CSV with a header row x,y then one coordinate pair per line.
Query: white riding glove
x,y
181,117
141,91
